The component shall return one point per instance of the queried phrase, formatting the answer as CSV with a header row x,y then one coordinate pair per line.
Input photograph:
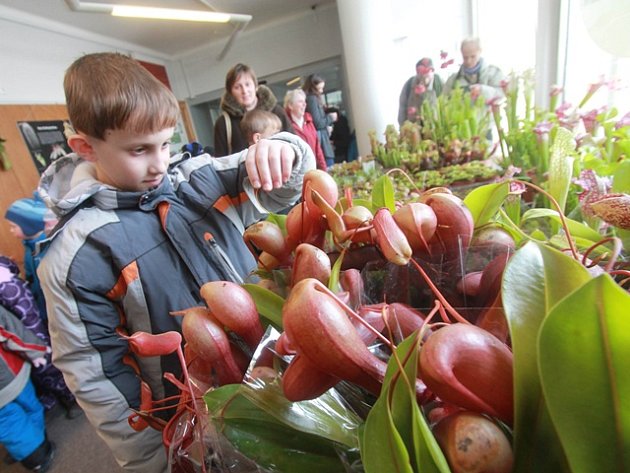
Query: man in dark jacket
x,y
418,88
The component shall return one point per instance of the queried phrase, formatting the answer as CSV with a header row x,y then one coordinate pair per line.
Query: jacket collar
x,y
266,101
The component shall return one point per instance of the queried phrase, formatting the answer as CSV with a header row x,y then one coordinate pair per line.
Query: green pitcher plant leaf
x,y
396,422
584,358
279,220
621,178
533,282
268,303
326,416
561,165
383,194
333,280
262,438
484,202
576,228
382,448
344,204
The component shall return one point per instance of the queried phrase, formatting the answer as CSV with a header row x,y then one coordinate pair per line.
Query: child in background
x,y
28,220
16,297
22,429
258,124
139,237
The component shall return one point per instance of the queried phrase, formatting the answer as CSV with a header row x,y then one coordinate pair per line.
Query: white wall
x,y
306,38
33,59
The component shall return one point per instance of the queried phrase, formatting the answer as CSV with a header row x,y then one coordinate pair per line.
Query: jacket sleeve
x,y
17,338
320,119
247,205
450,84
81,318
402,102
491,82
438,85
220,137
287,195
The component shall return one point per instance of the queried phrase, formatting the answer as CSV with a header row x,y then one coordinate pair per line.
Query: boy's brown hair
x,y
111,91
259,121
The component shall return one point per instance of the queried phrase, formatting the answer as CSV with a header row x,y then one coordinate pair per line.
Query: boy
x,y
17,298
258,124
22,430
136,240
28,219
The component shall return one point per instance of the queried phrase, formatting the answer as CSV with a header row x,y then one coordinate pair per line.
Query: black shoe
x,y
41,459
73,411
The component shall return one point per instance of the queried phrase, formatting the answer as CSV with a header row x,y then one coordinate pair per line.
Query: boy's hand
x,y
269,164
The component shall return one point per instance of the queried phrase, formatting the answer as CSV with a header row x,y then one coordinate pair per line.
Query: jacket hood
x,y
266,101
70,181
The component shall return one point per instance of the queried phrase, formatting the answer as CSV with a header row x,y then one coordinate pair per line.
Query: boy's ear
x,y
256,137
80,145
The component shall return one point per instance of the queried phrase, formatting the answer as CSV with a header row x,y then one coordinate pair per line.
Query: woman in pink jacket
x,y
302,123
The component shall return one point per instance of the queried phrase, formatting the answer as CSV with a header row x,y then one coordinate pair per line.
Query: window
x,y
586,61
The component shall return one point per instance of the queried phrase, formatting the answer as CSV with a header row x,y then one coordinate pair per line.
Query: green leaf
x,y
382,448
383,194
268,303
365,203
577,229
270,442
279,220
396,421
621,178
333,281
561,165
343,202
484,202
584,364
535,279
325,416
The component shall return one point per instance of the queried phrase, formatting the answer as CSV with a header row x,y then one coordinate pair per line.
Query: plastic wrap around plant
x,y
252,427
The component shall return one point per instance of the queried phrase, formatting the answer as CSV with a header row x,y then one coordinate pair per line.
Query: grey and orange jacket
x,y
18,346
122,261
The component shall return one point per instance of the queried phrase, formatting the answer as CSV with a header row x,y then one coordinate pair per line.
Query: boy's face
x,y
130,161
16,230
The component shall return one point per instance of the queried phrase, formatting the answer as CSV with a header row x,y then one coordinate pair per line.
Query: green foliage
x,y
262,425
588,332
397,437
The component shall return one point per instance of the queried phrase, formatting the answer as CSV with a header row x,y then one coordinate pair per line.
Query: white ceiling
x,y
165,38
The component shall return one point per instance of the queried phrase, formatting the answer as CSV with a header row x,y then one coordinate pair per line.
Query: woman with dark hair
x,y
314,88
242,94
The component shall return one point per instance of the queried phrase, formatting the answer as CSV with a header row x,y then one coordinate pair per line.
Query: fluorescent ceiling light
x,y
169,14
240,21
294,80
134,11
